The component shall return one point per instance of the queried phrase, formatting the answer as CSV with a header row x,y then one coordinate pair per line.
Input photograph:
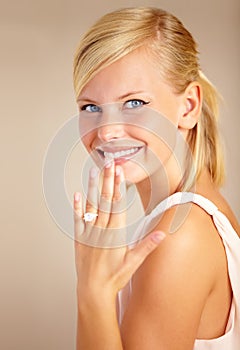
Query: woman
x,y
184,293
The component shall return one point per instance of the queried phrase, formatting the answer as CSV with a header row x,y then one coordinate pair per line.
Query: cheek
x,y
159,136
158,149
87,140
161,149
137,132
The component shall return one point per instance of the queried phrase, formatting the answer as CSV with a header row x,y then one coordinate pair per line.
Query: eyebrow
x,y
130,94
87,99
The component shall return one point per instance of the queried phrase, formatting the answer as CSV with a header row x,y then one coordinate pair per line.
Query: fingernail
x,y
77,197
118,170
109,163
158,236
93,173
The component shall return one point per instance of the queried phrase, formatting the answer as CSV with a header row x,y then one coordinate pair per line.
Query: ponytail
x,y
204,139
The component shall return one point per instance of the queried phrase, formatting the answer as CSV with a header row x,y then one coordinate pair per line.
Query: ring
x,y
88,217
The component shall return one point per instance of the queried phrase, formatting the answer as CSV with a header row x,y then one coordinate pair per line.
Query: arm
x,y
174,282
97,319
97,325
102,272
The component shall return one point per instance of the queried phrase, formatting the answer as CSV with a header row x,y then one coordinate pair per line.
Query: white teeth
x,y
115,155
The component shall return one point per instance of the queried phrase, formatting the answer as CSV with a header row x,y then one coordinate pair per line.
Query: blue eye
x,y
134,103
91,108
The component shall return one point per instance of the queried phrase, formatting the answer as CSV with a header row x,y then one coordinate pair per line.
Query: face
x,y
130,114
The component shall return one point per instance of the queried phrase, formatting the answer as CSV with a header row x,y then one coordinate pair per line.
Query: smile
x,y
127,153
120,154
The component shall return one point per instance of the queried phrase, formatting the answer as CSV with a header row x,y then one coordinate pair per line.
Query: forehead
x,y
133,72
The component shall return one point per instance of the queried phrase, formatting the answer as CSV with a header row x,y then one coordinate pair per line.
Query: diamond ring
x,y
88,217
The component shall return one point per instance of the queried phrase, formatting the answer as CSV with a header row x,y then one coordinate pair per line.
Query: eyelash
x,y
84,107
142,103
138,100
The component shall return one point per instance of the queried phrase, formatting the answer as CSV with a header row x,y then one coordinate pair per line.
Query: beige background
x,y
38,38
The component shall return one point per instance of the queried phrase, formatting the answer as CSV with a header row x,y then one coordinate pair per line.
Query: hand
x,y
102,269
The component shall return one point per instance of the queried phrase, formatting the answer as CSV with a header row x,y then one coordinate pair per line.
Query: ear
x,y
191,106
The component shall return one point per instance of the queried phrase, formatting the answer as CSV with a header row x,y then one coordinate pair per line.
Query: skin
x,y
181,289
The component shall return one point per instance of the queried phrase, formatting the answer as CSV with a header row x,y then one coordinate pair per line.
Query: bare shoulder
x,y
171,287
192,247
191,238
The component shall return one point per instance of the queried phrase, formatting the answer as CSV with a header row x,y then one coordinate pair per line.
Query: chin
x,y
135,173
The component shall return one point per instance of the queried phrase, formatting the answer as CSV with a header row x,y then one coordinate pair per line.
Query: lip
x,y
119,152
127,153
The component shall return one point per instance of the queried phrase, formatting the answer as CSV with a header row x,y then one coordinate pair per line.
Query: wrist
x,y
97,311
95,299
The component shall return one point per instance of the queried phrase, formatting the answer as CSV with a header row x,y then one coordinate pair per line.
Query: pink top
x,y
231,339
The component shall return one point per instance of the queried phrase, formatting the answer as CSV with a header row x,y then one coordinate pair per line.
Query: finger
x,y
136,256
78,204
78,215
118,217
92,195
106,196
119,190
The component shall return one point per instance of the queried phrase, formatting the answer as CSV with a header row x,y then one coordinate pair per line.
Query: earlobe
x,y
192,105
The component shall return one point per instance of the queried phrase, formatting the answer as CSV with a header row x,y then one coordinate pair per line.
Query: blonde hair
x,y
120,32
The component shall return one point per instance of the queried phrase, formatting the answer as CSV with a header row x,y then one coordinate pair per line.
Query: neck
x,y
156,188
166,180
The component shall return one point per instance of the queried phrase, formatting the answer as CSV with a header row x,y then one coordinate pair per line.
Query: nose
x,y
110,131
111,125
